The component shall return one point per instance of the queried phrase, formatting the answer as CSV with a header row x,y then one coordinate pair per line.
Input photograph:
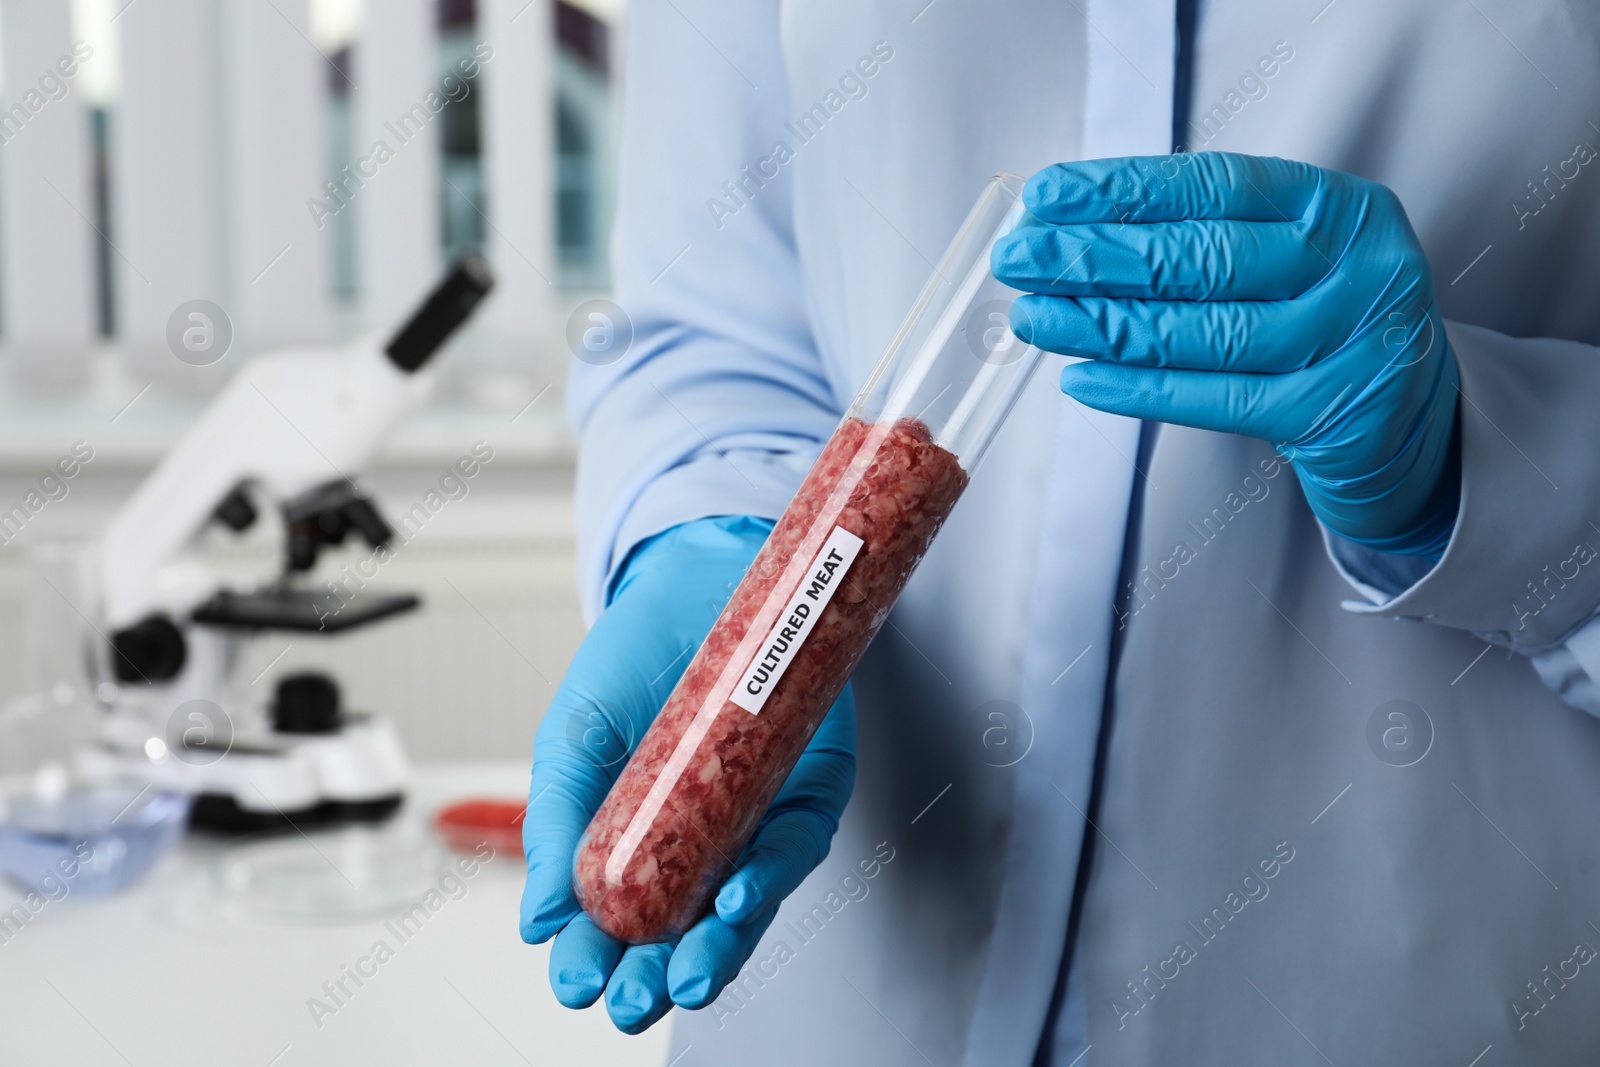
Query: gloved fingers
x,y
821,781
1191,260
636,996
798,829
1253,336
709,957
1197,185
786,849
825,773
581,962
1256,405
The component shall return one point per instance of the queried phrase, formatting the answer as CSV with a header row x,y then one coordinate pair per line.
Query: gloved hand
x,y
1255,296
671,591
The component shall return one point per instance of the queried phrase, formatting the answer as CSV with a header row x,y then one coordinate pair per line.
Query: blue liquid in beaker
x,y
90,839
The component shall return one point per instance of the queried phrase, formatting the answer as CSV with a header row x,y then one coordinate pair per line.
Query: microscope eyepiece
x,y
446,308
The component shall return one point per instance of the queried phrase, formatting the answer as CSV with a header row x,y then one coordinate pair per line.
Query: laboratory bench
x,y
175,971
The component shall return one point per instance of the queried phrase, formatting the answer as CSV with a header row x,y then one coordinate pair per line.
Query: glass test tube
x,y
694,791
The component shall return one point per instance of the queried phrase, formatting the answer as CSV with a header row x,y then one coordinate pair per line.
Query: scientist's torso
x,y
1315,839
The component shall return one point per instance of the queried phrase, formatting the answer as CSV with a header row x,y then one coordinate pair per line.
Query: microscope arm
x,y
287,423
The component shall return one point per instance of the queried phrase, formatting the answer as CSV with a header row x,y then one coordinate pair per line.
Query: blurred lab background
x,y
214,150
159,153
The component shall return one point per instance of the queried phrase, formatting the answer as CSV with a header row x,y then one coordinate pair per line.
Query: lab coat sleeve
x,y
1522,569
720,402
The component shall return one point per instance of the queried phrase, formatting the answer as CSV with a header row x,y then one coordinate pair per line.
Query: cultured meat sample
x,y
708,768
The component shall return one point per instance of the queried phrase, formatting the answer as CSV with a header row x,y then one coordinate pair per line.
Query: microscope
x,y
292,429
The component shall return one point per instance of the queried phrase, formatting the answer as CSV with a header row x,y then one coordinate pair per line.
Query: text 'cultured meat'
x,y
708,768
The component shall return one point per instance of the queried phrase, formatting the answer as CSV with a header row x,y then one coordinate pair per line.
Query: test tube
x,y
690,797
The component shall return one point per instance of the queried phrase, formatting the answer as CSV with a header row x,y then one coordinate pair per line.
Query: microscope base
x,y
219,813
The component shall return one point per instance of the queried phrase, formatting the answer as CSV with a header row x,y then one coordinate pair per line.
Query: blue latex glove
x,y
1255,296
670,593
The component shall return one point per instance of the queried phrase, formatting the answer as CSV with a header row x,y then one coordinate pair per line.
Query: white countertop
x,y
167,975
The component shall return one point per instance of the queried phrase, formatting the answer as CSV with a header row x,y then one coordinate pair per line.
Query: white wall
x,y
46,255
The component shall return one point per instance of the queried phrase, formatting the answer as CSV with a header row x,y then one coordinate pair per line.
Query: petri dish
x,y
329,876
468,824
90,838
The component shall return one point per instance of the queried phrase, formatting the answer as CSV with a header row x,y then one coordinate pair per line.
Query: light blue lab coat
x,y
1343,805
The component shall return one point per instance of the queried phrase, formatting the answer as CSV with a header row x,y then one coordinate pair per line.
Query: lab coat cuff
x,y
1377,575
738,482
1572,669
1520,567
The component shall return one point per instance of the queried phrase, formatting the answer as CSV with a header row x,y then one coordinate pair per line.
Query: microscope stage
x,y
300,609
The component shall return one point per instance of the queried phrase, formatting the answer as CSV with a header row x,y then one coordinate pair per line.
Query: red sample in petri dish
x,y
467,824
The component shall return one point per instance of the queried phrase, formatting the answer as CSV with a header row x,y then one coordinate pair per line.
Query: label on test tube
x,y
798,619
